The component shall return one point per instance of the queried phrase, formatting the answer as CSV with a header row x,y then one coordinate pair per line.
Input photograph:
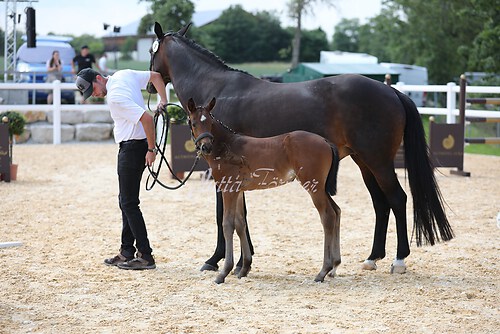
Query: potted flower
x,y
16,123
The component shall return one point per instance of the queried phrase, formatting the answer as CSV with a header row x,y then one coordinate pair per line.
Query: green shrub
x,y
177,114
16,122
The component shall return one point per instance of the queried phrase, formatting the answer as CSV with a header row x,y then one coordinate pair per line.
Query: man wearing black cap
x,y
134,132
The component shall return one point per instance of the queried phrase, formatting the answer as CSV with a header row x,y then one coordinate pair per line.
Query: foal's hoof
x,y
398,267
209,267
369,265
237,270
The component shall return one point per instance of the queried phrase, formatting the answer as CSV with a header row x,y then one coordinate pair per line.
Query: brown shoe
x,y
118,259
139,263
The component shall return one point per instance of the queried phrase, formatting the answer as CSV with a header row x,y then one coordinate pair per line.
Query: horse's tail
x,y
331,180
428,208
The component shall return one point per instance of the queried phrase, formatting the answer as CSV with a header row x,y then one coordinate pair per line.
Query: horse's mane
x,y
192,44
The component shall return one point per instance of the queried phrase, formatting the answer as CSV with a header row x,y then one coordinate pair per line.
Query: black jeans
x,y
131,164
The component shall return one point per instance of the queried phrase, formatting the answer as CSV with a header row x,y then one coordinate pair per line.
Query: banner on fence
x,y
447,144
183,150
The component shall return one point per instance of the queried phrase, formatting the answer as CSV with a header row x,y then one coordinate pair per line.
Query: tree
x,y
485,50
346,36
271,38
95,45
239,36
171,14
444,35
127,48
313,41
233,34
296,10
382,37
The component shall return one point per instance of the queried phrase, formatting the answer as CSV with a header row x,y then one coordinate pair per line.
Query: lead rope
x,y
155,174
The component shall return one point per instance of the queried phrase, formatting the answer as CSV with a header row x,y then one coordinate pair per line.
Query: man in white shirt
x,y
134,132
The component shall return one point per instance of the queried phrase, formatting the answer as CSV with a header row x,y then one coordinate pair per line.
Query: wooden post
x,y
461,105
4,150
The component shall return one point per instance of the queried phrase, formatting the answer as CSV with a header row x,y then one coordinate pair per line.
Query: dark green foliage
x,y
16,122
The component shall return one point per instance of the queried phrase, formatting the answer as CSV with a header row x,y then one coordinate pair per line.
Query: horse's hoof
x,y
237,270
209,267
398,267
369,265
319,278
219,279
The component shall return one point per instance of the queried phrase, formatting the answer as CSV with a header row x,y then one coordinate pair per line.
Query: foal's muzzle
x,y
205,146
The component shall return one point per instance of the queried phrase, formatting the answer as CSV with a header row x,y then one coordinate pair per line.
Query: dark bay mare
x,y
240,163
364,118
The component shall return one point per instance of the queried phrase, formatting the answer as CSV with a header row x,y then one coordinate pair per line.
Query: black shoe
x,y
139,263
118,259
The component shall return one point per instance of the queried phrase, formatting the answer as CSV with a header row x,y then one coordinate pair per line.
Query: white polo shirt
x,y
126,103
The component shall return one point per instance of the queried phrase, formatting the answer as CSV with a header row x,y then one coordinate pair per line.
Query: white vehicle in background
x,y
31,64
411,75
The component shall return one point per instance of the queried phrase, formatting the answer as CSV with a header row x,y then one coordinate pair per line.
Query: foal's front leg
x,y
242,230
228,230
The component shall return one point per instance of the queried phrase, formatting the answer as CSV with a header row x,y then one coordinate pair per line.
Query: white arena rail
x,y
451,111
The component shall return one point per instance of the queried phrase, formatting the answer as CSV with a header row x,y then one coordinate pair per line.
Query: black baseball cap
x,y
84,80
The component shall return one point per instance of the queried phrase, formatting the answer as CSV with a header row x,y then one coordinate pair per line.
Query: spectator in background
x,y
54,72
103,64
84,60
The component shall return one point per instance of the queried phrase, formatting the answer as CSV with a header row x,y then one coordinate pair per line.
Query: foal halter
x,y
202,135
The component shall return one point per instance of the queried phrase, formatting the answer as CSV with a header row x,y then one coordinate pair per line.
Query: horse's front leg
x,y
228,225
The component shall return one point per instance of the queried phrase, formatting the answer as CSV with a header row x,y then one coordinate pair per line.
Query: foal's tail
x,y
331,180
428,210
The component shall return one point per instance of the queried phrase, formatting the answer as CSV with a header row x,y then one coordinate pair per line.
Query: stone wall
x,y
76,125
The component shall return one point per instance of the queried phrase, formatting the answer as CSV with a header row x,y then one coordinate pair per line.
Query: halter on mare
x,y
163,113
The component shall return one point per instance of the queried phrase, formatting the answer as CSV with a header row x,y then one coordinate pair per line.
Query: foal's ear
x,y
191,105
158,30
211,105
184,29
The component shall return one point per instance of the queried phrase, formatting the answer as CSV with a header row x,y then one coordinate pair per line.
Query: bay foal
x,y
241,163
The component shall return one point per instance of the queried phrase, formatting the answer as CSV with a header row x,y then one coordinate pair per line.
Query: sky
x,y
72,17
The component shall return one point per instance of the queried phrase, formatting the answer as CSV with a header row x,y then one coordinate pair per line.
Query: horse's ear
x,y
191,105
184,29
211,105
158,30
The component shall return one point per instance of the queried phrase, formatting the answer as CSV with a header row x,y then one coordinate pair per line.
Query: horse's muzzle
x,y
204,142
151,88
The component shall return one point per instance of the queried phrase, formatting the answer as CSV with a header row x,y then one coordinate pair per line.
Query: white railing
x,y
451,89
56,107
451,111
